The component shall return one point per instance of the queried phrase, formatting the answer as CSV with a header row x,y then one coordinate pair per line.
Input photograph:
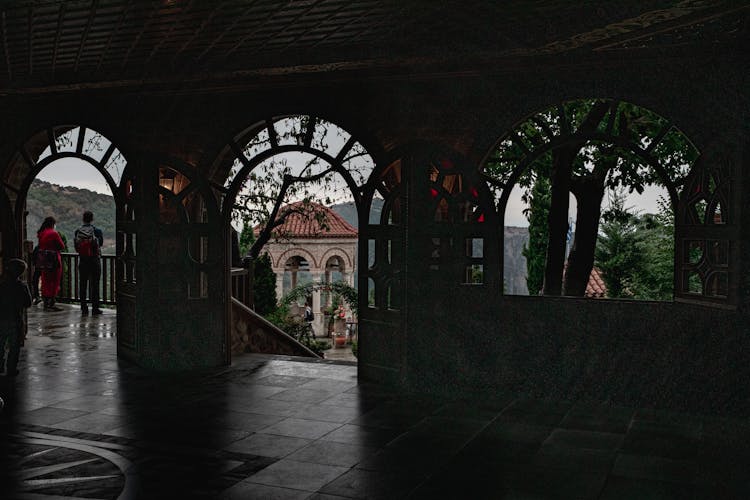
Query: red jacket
x,y
49,239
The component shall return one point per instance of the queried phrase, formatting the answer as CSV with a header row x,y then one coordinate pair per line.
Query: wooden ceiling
x,y
48,44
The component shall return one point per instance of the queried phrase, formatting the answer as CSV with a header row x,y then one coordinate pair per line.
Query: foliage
x,y
247,238
340,288
297,182
354,348
619,252
300,330
656,236
535,251
635,252
264,285
67,204
606,141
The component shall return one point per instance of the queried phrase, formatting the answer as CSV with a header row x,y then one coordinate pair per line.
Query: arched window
x,y
579,166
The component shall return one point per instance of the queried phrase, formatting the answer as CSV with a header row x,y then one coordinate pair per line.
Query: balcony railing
x,y
70,288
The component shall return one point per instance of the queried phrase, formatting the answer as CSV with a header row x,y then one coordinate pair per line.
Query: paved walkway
x,y
81,424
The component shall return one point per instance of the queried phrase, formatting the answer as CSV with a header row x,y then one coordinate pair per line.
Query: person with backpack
x,y
88,241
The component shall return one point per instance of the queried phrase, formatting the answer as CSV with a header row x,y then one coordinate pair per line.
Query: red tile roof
x,y
305,223
595,287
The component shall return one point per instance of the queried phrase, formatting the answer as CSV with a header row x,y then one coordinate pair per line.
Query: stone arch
x,y
514,154
48,145
337,252
293,252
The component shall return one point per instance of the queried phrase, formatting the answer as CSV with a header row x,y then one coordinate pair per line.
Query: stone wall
x,y
647,354
252,333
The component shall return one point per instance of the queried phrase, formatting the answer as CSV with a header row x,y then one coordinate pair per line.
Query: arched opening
x,y
62,172
295,188
589,190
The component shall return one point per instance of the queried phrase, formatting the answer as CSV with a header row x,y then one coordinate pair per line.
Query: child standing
x,y
14,298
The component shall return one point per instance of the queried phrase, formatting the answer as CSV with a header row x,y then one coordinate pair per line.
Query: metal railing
x,y
70,289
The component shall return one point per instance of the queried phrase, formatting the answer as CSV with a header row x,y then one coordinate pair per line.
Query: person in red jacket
x,y
50,262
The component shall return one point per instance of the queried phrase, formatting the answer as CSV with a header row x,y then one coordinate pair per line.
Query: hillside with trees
x,y
67,204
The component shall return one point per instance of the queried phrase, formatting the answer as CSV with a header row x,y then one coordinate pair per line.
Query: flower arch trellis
x,y
699,189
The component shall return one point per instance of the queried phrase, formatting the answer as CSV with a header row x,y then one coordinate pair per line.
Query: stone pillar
x,y
318,321
279,283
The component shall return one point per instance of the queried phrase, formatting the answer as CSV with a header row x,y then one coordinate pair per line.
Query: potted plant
x,y
339,326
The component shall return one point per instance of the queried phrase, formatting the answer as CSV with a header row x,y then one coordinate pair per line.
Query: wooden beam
x,y
60,16
226,30
166,37
30,39
84,36
146,25
114,32
289,24
239,43
5,49
197,32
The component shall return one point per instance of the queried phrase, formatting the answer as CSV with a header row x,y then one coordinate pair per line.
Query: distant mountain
x,y
67,204
348,211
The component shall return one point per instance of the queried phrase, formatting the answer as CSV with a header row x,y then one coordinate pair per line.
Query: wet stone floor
x,y
78,423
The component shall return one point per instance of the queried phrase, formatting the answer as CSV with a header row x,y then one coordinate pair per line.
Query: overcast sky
x,y
75,172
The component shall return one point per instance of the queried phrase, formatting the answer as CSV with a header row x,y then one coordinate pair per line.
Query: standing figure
x,y
88,241
50,262
14,298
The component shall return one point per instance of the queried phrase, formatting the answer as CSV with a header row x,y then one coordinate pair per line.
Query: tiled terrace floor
x,y
80,424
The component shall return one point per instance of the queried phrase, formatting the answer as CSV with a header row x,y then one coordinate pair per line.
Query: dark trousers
x,y
89,273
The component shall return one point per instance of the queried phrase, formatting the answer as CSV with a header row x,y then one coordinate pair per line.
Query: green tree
x,y
601,144
619,250
656,237
535,250
247,238
264,285
298,182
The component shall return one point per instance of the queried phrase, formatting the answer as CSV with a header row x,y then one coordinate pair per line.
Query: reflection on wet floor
x,y
82,424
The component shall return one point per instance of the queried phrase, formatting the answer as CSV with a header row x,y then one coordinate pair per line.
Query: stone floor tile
x,y
449,425
283,380
301,428
330,385
332,453
567,438
268,445
328,413
517,432
375,485
92,423
362,436
658,468
302,395
555,483
600,417
297,475
624,488
246,491
49,415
